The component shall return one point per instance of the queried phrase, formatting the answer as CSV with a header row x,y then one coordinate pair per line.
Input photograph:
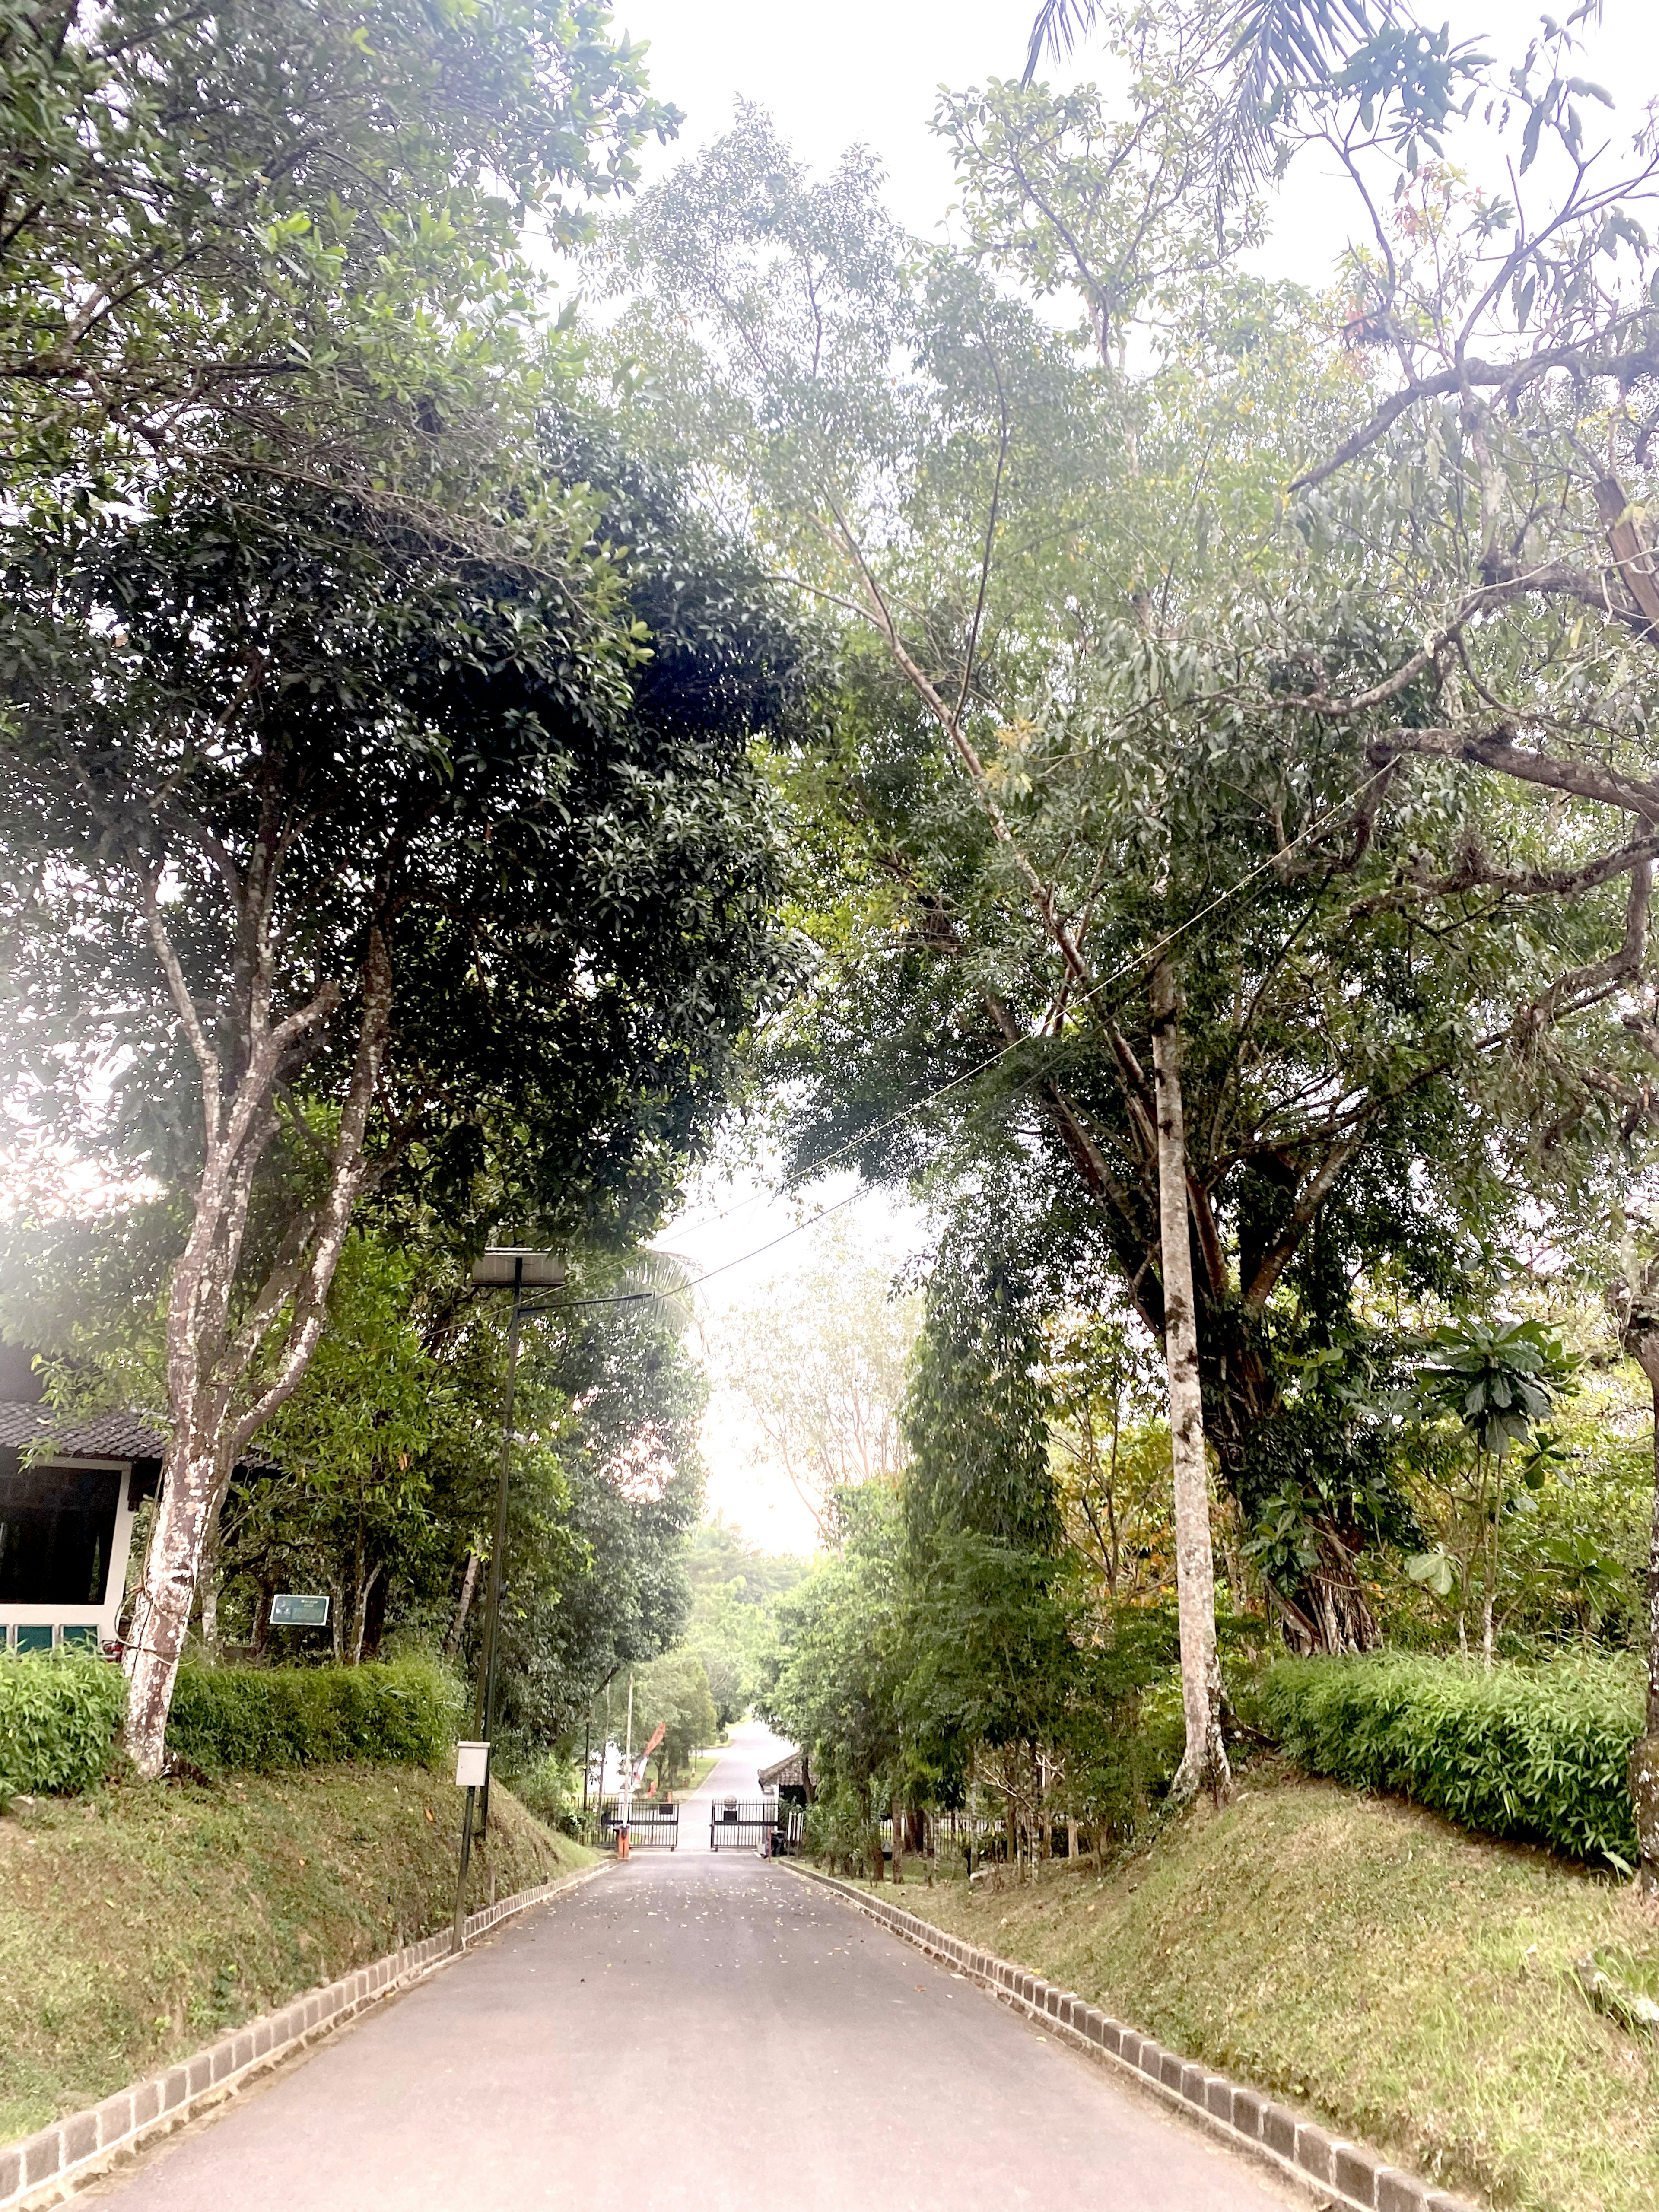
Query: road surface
x,y
686,2031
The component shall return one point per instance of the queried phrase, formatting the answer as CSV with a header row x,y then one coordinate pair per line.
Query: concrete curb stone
x,y
52,2164
1346,2177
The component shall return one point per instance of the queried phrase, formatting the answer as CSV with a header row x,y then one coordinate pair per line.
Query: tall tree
x,y
1170,729
384,860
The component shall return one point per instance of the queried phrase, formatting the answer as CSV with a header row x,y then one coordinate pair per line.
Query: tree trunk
x,y
463,1605
374,1620
360,1626
1204,1763
208,1581
1489,1594
161,1614
216,1407
898,1840
1071,1840
262,1619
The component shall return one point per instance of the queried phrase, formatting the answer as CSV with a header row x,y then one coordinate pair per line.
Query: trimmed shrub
x,y
59,1712
402,1713
1540,1754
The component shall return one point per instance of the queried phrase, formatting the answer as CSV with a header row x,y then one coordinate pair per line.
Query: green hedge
x,y
404,1713
59,1712
1538,1754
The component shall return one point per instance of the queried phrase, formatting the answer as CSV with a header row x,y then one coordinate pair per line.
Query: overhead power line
x,y
1127,968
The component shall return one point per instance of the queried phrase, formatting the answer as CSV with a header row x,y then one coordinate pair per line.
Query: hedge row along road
x,y
620,2044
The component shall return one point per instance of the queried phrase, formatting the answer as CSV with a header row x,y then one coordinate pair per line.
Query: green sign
x,y
290,1610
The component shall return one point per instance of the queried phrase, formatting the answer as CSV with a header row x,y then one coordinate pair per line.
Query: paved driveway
x,y
692,2031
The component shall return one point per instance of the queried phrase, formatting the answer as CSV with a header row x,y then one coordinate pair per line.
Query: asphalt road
x,y
692,2031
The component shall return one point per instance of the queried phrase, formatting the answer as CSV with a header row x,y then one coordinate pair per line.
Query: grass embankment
x,y
1403,1982
141,1923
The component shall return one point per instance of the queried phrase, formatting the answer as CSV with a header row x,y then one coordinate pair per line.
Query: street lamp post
x,y
503,1268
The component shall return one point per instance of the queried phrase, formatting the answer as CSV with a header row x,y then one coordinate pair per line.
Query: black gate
x,y
651,1826
750,1823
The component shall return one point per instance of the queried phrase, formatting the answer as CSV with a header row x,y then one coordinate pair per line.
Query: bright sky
x,y
867,72
746,1240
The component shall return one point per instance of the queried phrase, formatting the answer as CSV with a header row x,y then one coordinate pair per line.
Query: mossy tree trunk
x,y
1204,1763
1640,1336
1644,1756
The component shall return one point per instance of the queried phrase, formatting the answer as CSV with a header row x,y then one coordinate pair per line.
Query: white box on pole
x,y
472,1765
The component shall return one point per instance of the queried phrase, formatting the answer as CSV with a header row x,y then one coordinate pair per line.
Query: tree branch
x,y
1510,378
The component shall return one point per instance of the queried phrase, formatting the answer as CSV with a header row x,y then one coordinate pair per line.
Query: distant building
x,y
791,1779
67,1498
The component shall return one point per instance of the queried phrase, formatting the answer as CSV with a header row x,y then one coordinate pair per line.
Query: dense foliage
x,y
1170,792
1539,1754
1234,851
401,1713
290,229
736,1591
58,1717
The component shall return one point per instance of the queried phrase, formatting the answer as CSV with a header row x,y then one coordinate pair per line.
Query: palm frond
x,y
1060,24
1285,44
1278,46
668,1278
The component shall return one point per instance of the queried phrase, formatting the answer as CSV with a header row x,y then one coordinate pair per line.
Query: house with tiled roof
x,y
791,1778
70,1492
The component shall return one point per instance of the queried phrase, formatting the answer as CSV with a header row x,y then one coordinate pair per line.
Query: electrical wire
x,y
1127,968
639,1298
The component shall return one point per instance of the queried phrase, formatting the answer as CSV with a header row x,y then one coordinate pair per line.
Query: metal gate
x,y
750,1823
651,1826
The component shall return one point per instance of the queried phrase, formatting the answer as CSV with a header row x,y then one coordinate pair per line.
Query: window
x,y
57,1525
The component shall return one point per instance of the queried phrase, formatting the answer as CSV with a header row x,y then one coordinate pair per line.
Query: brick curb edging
x,y
42,2167
1347,2174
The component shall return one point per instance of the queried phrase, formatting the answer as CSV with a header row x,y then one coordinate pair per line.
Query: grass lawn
x,y
1399,1979
141,1923
702,1767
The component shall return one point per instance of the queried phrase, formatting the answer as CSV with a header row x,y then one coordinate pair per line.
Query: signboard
x,y
472,1765
291,1609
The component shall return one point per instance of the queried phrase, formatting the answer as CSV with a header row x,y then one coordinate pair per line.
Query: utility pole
x,y
501,1268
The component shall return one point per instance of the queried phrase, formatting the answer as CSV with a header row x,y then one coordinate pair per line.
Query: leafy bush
x,y
552,1790
404,1713
839,1829
1538,1753
59,1712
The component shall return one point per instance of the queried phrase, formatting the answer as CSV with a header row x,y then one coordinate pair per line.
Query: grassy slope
x,y
138,1924
1407,1983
